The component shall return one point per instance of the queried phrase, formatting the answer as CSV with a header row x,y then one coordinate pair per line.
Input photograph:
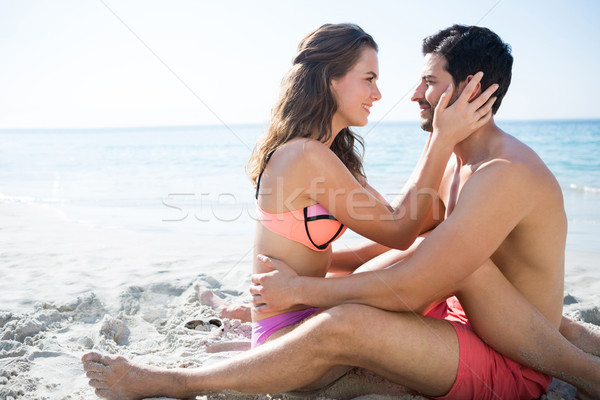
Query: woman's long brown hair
x,y
306,103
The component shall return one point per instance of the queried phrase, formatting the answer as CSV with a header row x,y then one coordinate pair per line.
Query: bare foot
x,y
585,395
589,388
116,378
224,308
587,339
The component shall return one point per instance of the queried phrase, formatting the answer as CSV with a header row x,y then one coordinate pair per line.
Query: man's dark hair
x,y
469,49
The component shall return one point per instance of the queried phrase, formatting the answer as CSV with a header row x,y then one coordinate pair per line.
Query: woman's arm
x,y
337,190
345,261
349,259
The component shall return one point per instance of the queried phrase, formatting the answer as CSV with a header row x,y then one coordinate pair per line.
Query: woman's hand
x,y
273,291
455,123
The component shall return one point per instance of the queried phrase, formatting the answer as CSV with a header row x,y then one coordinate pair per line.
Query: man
x,y
499,249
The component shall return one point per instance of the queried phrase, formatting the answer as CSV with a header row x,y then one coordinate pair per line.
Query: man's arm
x,y
492,202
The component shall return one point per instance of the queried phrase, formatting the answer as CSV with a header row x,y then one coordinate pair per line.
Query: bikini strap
x,y
261,172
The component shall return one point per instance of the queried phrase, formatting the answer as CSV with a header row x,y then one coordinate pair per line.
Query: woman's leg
x,y
504,319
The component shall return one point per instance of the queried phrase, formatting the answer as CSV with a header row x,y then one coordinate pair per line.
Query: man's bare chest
x,y
452,186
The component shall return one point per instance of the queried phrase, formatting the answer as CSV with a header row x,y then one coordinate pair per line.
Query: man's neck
x,y
478,145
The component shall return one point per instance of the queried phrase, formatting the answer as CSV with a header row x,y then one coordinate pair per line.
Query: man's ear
x,y
477,91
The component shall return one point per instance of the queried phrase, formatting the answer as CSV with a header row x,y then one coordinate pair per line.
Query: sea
x,y
190,182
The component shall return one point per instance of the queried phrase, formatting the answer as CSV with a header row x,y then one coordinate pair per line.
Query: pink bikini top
x,y
313,226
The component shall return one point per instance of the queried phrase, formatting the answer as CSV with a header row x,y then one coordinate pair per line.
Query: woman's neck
x,y
329,142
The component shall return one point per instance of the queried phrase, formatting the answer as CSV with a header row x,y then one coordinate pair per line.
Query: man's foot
x,y
222,307
582,336
116,378
589,341
589,388
592,394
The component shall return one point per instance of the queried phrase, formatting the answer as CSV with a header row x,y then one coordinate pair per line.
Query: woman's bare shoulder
x,y
305,150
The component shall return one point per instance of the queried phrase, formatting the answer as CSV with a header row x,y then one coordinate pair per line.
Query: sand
x,y
67,288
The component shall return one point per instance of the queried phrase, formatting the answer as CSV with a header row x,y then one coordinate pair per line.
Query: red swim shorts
x,y
483,373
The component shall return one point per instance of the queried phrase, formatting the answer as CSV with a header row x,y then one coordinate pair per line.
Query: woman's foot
x,y
222,307
116,378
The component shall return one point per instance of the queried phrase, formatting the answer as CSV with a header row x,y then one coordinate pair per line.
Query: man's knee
x,y
347,313
350,325
345,322
486,274
329,333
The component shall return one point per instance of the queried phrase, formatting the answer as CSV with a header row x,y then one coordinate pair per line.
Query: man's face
x,y
434,81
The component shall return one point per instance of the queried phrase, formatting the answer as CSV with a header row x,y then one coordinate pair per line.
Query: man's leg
x,y
397,346
535,342
504,319
579,335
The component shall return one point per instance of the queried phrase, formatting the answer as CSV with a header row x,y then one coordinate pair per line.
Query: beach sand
x,y
67,288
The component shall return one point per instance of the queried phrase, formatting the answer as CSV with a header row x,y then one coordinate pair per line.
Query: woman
x,y
310,183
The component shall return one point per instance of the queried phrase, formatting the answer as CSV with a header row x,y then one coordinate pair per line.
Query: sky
x,y
108,63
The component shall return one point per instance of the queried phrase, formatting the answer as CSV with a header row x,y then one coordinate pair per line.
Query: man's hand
x,y
273,291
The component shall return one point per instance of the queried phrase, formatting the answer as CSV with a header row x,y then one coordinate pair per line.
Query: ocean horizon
x,y
140,174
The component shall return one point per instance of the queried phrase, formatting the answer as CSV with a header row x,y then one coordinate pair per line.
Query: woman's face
x,y
356,91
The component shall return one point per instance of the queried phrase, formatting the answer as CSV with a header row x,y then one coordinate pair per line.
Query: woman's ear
x,y
332,84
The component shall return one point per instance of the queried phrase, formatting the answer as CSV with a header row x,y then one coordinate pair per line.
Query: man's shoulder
x,y
515,162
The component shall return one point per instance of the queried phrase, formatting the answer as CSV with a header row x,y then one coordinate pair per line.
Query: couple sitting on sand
x,y
462,294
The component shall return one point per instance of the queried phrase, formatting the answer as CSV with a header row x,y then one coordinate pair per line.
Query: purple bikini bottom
x,y
261,330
